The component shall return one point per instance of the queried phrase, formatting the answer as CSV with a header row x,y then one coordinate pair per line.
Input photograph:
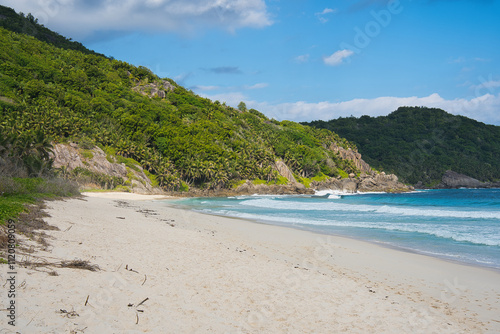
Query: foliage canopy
x,y
69,95
420,144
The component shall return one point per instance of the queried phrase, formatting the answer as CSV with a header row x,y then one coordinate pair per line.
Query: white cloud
x,y
325,11
206,88
258,86
457,60
82,18
338,57
482,59
302,58
482,108
487,85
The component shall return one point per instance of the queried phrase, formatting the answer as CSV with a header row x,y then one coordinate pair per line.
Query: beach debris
x,y
169,222
145,300
148,212
120,217
126,268
79,264
75,331
87,300
137,310
122,204
145,278
71,314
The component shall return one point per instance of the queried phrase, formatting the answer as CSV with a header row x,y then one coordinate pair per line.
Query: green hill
x,y
420,144
52,93
28,24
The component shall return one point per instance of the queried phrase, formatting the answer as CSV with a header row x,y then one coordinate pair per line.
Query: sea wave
x,y
385,209
463,233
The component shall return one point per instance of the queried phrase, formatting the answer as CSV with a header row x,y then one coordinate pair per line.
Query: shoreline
x,y
209,273
320,232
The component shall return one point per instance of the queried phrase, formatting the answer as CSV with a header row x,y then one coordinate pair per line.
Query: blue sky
x,y
302,60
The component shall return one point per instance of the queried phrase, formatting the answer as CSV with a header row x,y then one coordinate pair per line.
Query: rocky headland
x,y
454,180
70,159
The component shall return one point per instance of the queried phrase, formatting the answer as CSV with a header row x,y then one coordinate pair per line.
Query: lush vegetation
x,y
179,138
420,144
17,192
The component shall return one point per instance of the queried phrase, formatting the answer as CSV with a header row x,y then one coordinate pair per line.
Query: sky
x,y
302,60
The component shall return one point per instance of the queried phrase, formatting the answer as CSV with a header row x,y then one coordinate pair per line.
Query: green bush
x,y
342,174
16,193
87,154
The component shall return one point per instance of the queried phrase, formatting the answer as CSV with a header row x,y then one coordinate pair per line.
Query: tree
x,y
242,106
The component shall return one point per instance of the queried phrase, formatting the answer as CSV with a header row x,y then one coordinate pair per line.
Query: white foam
x,y
457,233
331,196
461,233
386,209
331,192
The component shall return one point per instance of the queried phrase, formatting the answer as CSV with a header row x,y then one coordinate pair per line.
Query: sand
x,y
197,273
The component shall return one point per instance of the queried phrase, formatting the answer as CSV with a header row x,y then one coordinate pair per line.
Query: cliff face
x,y
354,156
365,183
69,158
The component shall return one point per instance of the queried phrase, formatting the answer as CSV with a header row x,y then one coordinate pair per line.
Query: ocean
x,y
461,225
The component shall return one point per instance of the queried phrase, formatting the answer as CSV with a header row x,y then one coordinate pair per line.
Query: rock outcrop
x,y
68,157
365,183
454,180
159,89
353,156
248,188
284,171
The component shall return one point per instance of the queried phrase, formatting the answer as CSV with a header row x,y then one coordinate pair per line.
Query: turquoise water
x,y
461,225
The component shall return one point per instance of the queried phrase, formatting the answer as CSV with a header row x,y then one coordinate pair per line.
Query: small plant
x,y
258,181
87,154
122,188
183,187
152,178
342,173
238,183
86,143
305,181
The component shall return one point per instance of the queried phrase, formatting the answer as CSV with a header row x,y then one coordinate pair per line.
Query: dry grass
x,y
36,263
79,264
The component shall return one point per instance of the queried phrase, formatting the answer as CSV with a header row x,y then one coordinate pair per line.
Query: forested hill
x,y
28,24
61,95
420,144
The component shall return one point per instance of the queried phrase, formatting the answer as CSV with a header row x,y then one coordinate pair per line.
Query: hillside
x,y
421,144
53,96
28,24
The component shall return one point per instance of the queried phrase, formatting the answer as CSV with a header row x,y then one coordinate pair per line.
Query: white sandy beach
x,y
197,273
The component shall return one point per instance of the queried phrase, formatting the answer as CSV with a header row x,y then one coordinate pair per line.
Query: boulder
x,y
70,156
349,186
284,171
453,179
